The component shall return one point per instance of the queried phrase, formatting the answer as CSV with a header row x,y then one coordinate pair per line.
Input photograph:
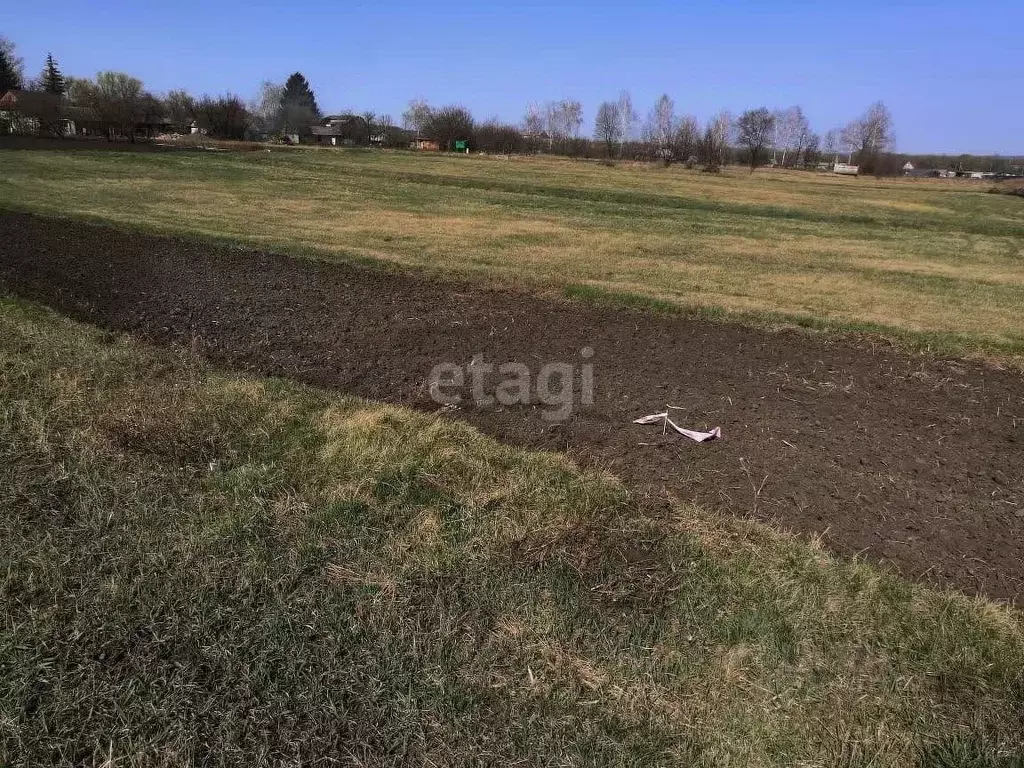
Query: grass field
x,y
213,569
936,262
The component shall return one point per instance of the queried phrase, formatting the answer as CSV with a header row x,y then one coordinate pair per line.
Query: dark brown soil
x,y
91,143
916,462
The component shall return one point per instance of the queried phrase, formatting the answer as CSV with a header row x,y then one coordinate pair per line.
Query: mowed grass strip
x,y
209,569
935,262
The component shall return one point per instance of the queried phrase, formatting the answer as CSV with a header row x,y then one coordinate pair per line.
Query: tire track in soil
x,y
916,462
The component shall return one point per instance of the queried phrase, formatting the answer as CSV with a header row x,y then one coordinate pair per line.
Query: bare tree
x,y
627,116
265,108
686,138
554,121
849,138
832,143
754,131
416,116
779,139
224,117
115,98
804,137
809,149
791,129
564,119
369,121
533,120
573,117
574,123
715,144
77,89
449,124
871,134
533,126
496,136
181,108
660,128
608,125
386,127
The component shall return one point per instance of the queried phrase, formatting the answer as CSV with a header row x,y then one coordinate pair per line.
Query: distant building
x,y
39,112
542,139
33,112
350,130
425,145
339,131
927,173
845,169
942,173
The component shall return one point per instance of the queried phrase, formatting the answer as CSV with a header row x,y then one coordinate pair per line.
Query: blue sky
x,y
952,74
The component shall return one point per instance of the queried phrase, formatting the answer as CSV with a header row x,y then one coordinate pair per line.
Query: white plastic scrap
x,y
665,421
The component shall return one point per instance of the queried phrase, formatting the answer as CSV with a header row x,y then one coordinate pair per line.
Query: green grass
x,y
217,569
934,263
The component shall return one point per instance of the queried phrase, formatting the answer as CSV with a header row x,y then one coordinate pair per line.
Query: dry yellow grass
x,y
937,258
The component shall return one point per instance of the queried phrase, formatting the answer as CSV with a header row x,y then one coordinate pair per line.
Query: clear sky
x,y
951,73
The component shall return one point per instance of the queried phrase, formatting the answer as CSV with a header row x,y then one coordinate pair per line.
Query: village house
x,y
31,112
426,145
338,131
351,130
928,173
39,112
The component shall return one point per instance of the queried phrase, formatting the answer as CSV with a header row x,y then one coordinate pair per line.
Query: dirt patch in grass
x,y
915,461
1009,187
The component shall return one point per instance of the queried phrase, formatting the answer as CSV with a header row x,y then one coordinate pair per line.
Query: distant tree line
x,y
289,110
756,137
967,162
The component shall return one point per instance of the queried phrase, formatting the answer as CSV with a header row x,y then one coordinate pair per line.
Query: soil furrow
x,y
916,462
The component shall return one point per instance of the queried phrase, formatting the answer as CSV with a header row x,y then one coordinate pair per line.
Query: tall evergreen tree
x,y
10,67
298,104
52,79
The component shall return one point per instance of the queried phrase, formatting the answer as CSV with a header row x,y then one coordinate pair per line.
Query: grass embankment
x,y
208,568
935,262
